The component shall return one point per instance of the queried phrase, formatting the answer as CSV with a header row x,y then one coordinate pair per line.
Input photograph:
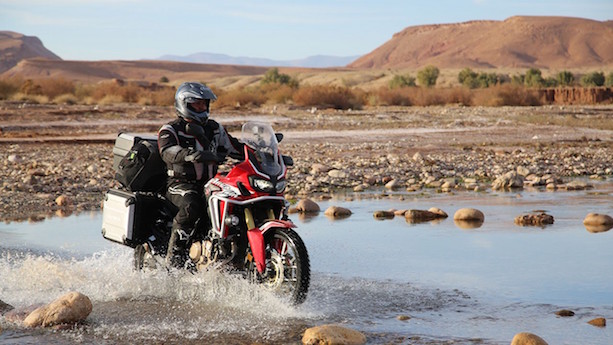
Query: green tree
x,y
565,78
427,77
272,76
400,81
534,78
609,80
593,79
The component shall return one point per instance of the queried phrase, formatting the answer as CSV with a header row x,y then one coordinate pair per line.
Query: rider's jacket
x,y
175,144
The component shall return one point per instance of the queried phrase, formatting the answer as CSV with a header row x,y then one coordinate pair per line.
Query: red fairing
x,y
256,241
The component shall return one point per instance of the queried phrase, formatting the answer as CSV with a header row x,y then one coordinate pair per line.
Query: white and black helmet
x,y
191,92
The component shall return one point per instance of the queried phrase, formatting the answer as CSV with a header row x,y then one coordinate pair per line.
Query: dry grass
x,y
338,89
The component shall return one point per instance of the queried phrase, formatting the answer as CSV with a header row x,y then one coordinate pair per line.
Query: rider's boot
x,y
176,246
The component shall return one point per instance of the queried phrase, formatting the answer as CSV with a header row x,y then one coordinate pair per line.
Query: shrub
x,y
507,95
9,87
427,77
565,78
164,79
272,76
534,78
54,87
593,79
400,81
390,96
609,80
328,96
66,98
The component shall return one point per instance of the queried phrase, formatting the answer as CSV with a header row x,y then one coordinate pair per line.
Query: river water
x,y
458,285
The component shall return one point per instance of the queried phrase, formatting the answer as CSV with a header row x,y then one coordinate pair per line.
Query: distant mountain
x,y
15,47
317,61
520,42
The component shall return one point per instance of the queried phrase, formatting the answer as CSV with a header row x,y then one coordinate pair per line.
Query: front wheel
x,y
288,271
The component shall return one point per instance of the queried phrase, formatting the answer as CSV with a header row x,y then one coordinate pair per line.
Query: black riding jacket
x,y
175,144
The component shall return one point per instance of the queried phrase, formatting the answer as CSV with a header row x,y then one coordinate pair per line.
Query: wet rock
x,y
469,214
307,206
400,212
337,212
392,184
414,216
525,338
71,308
598,322
539,219
436,210
565,313
63,200
4,307
597,219
508,180
578,185
384,214
403,317
332,334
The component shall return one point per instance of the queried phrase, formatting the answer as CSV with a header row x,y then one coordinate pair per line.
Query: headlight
x,y
281,186
262,185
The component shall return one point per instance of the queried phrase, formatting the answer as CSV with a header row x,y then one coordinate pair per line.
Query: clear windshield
x,y
261,138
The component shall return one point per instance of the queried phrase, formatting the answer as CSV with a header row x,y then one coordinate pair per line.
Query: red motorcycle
x,y
247,229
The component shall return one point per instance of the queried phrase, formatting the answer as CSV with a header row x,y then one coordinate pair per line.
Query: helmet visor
x,y
198,105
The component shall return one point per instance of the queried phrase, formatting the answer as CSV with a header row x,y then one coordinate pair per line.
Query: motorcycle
x,y
246,229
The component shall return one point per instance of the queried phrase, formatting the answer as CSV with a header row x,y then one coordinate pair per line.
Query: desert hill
x,y
15,47
517,42
145,70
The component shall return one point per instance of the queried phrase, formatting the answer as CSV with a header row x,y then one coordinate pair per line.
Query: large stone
x,y
527,339
415,216
71,308
508,180
595,222
307,206
469,214
597,219
332,335
598,322
538,219
384,214
337,212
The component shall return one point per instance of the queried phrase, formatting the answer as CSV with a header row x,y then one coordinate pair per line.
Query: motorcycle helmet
x,y
189,93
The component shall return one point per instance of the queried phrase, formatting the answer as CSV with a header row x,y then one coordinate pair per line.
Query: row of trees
x,y
533,77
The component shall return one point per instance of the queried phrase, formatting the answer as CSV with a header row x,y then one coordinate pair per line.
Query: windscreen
x,y
261,138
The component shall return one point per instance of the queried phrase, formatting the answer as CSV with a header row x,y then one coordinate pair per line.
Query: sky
x,y
276,29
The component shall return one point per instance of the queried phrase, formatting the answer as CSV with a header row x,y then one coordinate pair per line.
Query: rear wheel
x,y
288,271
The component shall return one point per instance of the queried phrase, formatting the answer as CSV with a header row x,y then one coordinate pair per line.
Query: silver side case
x,y
118,217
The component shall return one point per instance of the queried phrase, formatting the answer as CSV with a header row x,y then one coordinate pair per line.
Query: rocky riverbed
x,y
48,171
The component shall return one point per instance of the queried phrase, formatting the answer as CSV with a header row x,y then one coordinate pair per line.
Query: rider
x,y
191,146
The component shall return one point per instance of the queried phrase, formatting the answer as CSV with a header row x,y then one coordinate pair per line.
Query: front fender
x,y
277,223
256,242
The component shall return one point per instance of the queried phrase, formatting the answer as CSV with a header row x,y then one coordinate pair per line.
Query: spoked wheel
x,y
288,272
143,258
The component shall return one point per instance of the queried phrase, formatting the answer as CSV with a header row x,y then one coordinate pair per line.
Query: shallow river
x,y
459,286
